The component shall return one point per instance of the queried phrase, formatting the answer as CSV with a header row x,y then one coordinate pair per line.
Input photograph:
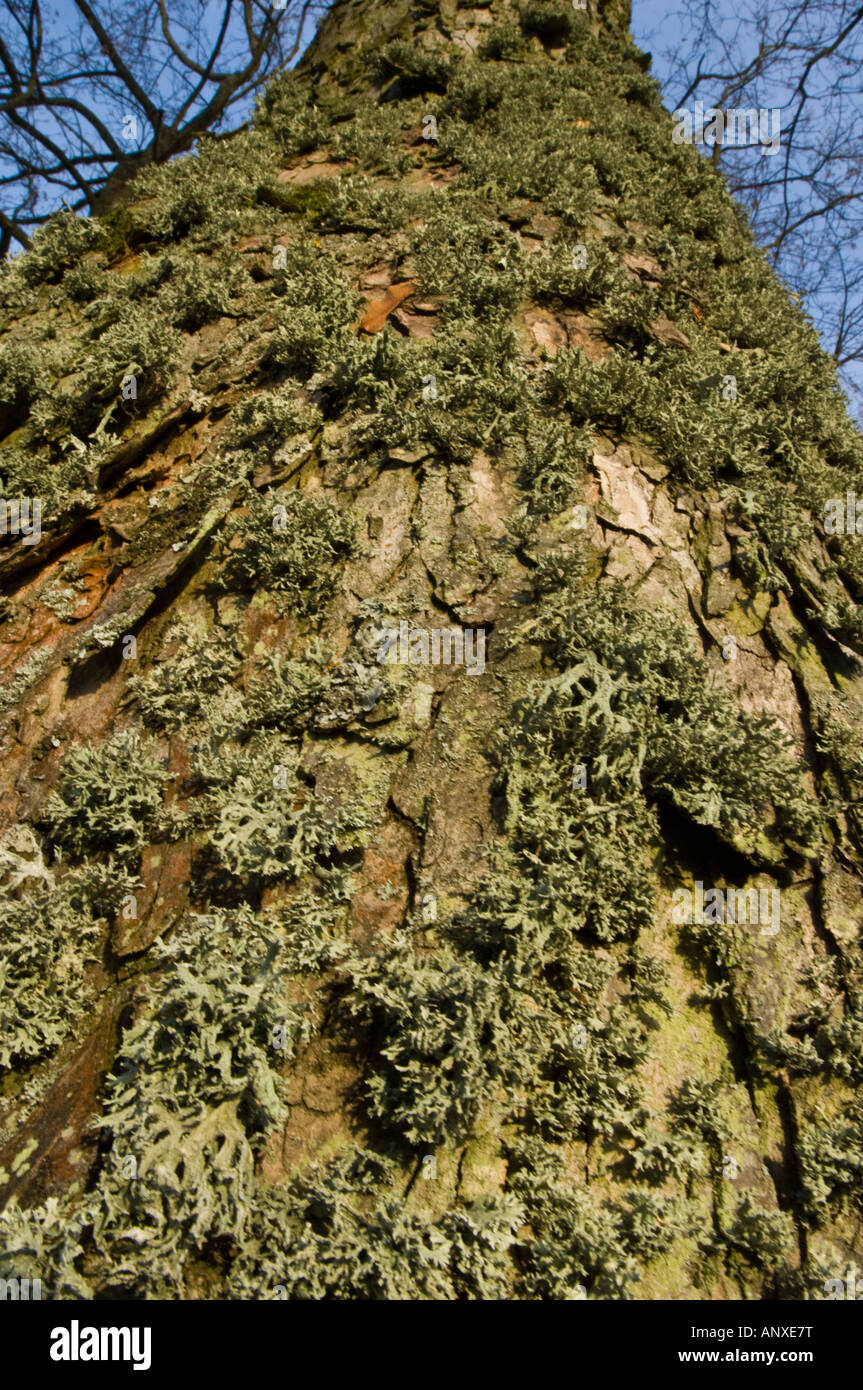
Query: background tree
x,y
91,92
806,205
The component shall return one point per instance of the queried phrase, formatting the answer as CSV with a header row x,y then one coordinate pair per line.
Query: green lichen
x,y
192,668
583,1248
260,832
830,1155
418,69
552,23
341,1231
108,798
284,692
288,543
312,201
53,925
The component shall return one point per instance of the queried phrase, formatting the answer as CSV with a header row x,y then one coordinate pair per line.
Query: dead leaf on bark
x,y
379,310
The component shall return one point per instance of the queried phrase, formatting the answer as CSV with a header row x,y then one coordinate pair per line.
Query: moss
x,y
335,1248
497,1005
339,1231
458,250
124,365
311,201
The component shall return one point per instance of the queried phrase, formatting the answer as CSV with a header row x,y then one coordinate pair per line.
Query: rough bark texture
x,y
330,976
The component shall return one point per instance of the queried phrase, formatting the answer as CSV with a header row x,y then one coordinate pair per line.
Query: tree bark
x,y
568,927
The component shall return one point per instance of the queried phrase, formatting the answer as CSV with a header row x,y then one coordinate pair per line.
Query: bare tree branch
x,y
803,58
119,66
164,73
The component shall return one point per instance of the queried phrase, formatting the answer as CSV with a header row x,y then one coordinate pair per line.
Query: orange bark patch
x,y
95,579
61,1148
582,332
165,873
379,310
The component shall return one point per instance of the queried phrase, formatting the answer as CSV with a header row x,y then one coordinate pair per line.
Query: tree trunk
x,y
431,708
